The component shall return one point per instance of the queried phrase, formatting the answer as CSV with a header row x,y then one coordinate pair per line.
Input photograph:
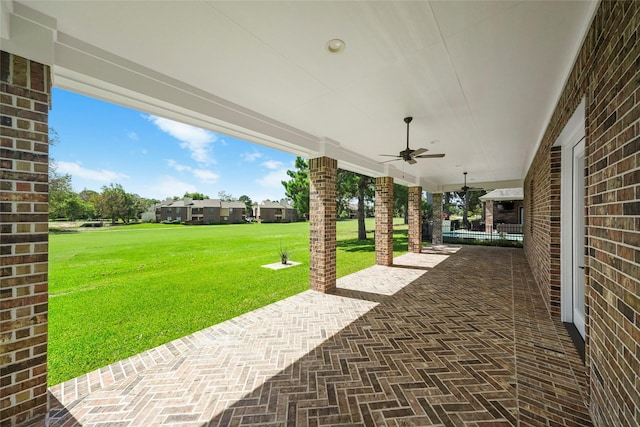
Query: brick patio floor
x,y
448,337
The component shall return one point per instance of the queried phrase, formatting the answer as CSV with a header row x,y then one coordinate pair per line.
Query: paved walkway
x,y
448,337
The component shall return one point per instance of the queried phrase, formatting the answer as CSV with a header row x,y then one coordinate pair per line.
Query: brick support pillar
x,y
415,219
323,172
24,105
384,220
436,234
488,216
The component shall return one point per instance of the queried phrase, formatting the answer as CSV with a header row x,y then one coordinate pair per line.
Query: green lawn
x,y
116,292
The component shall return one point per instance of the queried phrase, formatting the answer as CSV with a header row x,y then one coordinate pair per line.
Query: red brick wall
x,y
553,289
384,220
607,74
24,106
323,172
415,219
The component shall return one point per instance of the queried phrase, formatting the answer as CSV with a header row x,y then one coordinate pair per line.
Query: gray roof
x,y
268,204
504,194
206,203
233,204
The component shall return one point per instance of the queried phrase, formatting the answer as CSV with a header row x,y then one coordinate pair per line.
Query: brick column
x,y
322,217
384,220
24,106
415,219
436,233
488,216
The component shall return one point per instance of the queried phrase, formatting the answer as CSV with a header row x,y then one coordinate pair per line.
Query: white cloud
x,y
102,175
168,186
175,165
206,176
133,136
197,141
251,157
272,164
273,179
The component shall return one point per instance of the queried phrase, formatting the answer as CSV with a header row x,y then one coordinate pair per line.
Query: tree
x,y
76,208
88,195
446,207
401,202
346,190
225,197
248,204
297,188
427,209
115,203
349,186
59,191
365,187
195,196
469,201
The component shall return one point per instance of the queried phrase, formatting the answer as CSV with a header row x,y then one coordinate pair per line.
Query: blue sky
x,y
102,143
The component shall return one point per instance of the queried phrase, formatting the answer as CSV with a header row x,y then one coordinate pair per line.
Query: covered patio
x,y
451,336
532,94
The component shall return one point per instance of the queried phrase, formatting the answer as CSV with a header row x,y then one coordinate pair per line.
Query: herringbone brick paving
x,y
445,338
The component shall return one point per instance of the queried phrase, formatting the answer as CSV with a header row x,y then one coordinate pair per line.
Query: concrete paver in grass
x,y
280,266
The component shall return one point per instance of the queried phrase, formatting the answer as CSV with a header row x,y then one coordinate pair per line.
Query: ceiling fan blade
x,y
392,160
418,152
412,161
429,156
390,155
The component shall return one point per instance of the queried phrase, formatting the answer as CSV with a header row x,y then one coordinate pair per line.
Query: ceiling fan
x,y
409,155
466,188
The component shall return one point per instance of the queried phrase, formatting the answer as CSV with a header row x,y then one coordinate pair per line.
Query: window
x,y
168,218
178,218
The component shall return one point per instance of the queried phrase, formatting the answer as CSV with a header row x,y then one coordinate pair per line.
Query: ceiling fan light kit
x,y
409,155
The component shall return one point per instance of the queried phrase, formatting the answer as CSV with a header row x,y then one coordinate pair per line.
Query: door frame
x,y
573,133
577,259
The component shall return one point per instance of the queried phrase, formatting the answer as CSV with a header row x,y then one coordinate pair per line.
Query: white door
x,y
578,237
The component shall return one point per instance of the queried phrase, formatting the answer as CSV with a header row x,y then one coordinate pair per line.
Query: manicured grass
x,y
118,291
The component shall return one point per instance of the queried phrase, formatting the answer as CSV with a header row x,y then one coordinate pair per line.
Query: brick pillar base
x,y
24,161
384,220
488,216
415,219
322,215
436,235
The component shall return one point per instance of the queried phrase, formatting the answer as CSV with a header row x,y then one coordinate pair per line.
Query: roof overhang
x,y
481,79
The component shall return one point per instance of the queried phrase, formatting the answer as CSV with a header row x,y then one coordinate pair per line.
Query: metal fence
x,y
509,235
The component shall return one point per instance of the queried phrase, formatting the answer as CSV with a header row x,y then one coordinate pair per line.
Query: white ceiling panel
x,y
480,78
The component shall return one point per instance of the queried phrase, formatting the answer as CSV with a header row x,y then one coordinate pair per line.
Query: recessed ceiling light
x,y
335,45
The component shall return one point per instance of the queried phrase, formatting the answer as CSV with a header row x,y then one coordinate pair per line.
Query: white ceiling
x,y
480,78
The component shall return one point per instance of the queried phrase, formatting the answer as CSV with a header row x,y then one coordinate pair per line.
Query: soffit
x,y
480,78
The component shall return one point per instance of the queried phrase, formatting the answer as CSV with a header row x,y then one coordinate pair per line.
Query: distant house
x,y
504,210
232,212
198,212
281,211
